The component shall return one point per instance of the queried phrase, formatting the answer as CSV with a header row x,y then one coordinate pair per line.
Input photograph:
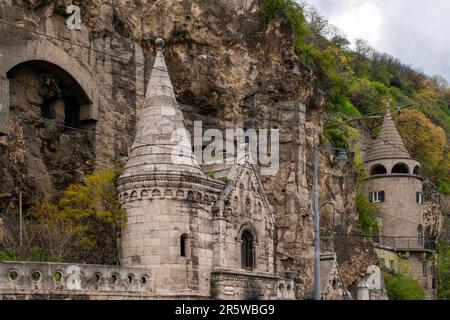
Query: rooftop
x,y
389,143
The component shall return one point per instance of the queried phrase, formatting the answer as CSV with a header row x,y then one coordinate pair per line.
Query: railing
x,y
407,243
54,278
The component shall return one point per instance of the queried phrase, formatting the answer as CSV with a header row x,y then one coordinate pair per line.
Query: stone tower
x,y
395,185
166,195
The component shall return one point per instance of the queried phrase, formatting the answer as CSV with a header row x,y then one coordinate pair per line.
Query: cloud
x,y
414,31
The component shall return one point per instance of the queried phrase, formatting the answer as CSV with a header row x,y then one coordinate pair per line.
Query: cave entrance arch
x,y
46,51
67,98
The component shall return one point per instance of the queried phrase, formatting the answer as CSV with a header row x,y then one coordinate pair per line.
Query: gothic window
x,y
420,238
417,171
247,250
424,269
378,170
377,197
400,168
183,245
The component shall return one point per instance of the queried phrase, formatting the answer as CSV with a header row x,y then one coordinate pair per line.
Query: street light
x,y
341,156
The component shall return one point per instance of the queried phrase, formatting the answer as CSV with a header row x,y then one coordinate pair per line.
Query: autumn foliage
x,y
83,225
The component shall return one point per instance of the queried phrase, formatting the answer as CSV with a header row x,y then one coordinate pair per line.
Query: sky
x,y
415,31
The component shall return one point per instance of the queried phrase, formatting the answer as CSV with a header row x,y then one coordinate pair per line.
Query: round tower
x,y
395,185
166,196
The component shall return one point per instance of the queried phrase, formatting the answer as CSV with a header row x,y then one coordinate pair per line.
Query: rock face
x,y
228,68
1,230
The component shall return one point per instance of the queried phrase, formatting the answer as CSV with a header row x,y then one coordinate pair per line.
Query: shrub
x,y
443,271
336,138
401,286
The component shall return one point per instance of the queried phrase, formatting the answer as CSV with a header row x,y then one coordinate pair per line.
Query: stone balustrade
x,y
31,279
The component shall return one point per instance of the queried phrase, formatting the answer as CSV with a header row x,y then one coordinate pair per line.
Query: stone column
x,y
4,105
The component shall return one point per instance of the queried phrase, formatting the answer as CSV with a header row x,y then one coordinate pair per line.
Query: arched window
x,y
420,237
183,245
417,171
400,168
378,169
247,250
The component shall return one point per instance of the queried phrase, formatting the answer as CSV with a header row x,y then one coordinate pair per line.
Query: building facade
x,y
395,185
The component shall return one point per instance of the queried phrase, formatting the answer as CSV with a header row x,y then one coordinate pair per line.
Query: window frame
x,y
247,250
377,197
184,245
419,197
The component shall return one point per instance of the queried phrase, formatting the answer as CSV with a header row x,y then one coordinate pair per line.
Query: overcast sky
x,y
415,31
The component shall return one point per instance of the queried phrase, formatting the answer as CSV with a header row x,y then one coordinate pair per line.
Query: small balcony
x,y
407,243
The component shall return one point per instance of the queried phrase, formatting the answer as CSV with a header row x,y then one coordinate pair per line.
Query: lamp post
x,y
341,155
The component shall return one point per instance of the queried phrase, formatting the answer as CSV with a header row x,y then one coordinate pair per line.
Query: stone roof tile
x,y
389,143
162,142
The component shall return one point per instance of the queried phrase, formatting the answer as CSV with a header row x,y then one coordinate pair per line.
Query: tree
x,y
84,225
425,141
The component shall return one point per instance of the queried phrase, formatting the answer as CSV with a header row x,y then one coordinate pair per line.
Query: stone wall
x,y
400,212
160,213
234,284
421,267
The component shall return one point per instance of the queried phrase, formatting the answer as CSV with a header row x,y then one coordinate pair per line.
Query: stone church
x,y
188,235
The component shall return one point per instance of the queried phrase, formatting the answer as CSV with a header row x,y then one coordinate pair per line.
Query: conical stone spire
x,y
388,144
162,143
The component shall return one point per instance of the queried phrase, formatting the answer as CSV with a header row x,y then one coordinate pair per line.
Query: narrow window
x,y
424,269
247,250
419,197
183,243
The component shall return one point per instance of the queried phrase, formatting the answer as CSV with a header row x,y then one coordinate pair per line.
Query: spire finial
x,y
159,44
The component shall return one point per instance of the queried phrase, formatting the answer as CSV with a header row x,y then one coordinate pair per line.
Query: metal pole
x,y
20,218
316,227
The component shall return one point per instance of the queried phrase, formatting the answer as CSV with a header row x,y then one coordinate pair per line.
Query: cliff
x,y
229,68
